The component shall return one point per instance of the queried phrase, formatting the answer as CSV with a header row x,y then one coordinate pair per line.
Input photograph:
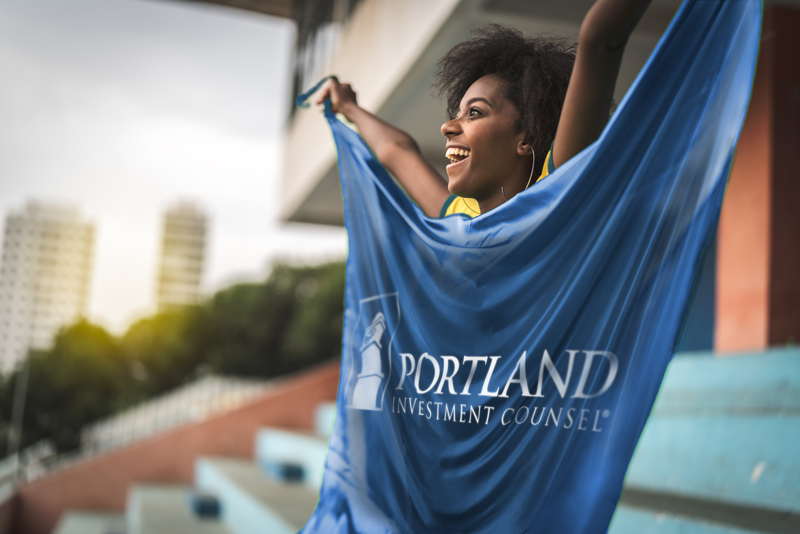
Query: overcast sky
x,y
122,107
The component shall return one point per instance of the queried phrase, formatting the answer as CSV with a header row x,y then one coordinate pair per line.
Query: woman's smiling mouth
x,y
456,155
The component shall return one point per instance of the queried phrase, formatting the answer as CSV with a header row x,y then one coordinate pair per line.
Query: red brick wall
x,y
8,510
102,483
758,241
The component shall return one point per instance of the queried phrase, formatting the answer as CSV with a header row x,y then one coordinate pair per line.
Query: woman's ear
x,y
523,148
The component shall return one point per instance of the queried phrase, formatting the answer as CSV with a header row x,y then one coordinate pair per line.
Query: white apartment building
x,y
183,247
44,277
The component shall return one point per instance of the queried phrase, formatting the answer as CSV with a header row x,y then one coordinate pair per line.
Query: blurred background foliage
x,y
291,321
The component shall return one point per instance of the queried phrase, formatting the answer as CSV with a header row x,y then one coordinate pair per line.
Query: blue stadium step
x,y
719,451
325,418
86,522
165,510
630,520
725,429
292,456
251,502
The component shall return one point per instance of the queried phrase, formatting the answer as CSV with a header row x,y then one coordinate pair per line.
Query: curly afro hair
x,y
535,72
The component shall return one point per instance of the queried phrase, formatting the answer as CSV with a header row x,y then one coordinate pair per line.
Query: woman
x,y
511,99
552,320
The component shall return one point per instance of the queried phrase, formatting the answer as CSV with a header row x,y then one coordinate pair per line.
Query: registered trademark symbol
x,y
606,413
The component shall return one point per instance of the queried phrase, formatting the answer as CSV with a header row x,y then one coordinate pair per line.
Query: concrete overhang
x,y
388,51
276,8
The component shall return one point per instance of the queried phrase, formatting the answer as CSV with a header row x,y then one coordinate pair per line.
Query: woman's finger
x,y
328,90
324,93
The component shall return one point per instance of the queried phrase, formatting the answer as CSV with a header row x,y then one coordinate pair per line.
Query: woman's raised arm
x,y
604,33
396,150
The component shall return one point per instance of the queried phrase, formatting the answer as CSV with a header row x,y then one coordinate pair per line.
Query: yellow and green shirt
x,y
469,206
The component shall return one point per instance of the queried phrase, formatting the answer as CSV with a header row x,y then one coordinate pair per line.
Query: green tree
x,y
80,380
167,349
292,320
282,325
315,332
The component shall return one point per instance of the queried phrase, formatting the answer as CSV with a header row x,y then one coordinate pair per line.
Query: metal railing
x,y
191,403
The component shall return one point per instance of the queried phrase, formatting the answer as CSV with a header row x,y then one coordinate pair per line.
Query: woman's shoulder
x,y
460,205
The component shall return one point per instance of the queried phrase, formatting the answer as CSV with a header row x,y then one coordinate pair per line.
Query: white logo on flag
x,y
372,362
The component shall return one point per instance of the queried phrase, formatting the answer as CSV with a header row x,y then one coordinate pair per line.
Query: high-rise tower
x,y
182,255
44,277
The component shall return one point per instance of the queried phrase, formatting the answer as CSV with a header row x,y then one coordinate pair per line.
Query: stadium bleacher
x,y
718,456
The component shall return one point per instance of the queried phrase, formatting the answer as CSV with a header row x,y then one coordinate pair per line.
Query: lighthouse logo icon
x,y
371,352
370,379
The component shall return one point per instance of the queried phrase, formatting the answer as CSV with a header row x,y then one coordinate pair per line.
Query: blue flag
x,y
497,372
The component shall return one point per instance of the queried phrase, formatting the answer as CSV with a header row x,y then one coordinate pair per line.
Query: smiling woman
x,y
510,98
518,85
497,372
491,160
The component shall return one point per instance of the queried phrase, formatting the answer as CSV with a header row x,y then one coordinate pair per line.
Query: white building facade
x,y
44,277
183,248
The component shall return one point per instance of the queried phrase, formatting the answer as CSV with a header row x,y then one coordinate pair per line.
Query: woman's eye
x,y
474,111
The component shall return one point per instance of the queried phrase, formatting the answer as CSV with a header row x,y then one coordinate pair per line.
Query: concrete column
x,y
758,248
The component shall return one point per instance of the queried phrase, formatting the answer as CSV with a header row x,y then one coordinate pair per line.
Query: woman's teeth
x,y
456,154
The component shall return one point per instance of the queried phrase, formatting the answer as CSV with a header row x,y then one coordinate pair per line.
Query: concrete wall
x,y
378,46
102,483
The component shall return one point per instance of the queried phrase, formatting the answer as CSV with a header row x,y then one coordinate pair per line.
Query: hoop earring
x,y
533,166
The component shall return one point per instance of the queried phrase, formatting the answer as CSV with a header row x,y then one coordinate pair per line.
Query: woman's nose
x,y
450,128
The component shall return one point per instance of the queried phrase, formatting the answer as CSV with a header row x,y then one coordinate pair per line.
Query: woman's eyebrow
x,y
479,99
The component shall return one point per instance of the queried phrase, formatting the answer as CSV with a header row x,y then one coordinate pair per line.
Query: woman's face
x,y
483,144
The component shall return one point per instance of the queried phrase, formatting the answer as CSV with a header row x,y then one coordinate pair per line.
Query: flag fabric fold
x,y
497,372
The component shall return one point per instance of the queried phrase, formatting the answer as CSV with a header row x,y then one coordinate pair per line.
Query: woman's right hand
x,y
395,149
342,96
